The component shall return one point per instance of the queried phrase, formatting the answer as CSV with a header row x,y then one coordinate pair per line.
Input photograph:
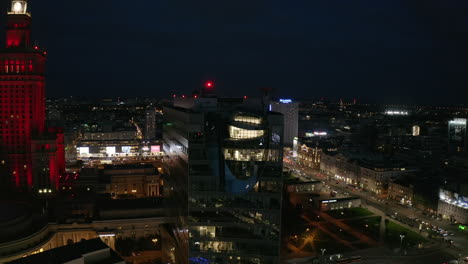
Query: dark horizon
x,y
406,52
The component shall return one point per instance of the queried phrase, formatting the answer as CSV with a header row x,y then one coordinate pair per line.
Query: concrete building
x,y
24,234
401,191
340,167
225,180
119,181
453,205
133,180
290,111
365,171
309,156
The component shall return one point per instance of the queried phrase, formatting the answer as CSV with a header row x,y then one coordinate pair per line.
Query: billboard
x,y
155,149
110,150
453,197
126,149
84,150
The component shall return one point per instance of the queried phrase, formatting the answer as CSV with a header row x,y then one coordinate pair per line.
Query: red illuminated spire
x,y
18,33
26,140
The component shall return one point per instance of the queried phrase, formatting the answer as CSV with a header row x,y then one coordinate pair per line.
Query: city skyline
x,y
233,161
410,52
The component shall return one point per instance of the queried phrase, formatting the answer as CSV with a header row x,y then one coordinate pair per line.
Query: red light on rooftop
x,y
209,84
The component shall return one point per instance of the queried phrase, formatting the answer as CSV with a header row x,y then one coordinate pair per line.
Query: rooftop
x,y
72,252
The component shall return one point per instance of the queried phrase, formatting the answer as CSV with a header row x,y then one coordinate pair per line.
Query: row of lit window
x,y
18,124
17,78
15,109
251,154
15,86
248,119
12,116
11,103
15,95
240,133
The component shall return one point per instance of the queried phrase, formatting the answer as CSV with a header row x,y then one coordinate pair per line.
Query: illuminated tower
x,y
27,151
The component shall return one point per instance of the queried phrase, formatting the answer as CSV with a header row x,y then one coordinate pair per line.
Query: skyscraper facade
x,y
225,181
457,135
31,155
290,111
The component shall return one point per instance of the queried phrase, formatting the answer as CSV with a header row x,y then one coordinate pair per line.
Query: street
x,y
458,247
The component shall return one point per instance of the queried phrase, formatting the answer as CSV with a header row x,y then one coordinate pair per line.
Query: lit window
x,y
240,133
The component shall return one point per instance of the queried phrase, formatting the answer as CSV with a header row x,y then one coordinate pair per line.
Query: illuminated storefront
x,y
453,206
117,149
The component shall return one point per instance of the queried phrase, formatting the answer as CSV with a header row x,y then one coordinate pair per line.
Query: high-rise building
x,y
290,111
153,124
225,181
31,156
457,135
150,124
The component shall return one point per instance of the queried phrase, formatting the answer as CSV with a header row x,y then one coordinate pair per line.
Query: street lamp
x,y
401,240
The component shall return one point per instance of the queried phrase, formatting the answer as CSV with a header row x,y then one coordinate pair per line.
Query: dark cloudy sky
x,y
383,51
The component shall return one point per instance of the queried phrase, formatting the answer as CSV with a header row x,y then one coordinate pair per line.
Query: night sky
x,y
391,51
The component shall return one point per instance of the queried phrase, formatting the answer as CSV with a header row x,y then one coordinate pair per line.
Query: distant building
x,y
114,135
401,191
120,181
85,252
370,173
309,156
112,149
457,135
133,180
290,111
150,123
333,203
339,167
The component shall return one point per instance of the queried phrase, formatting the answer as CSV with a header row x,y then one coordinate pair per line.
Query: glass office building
x,y
224,186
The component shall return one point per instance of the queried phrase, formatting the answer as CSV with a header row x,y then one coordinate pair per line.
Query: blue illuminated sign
x,y
199,260
285,101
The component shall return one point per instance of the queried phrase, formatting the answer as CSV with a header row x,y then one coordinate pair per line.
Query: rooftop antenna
x,y
266,94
